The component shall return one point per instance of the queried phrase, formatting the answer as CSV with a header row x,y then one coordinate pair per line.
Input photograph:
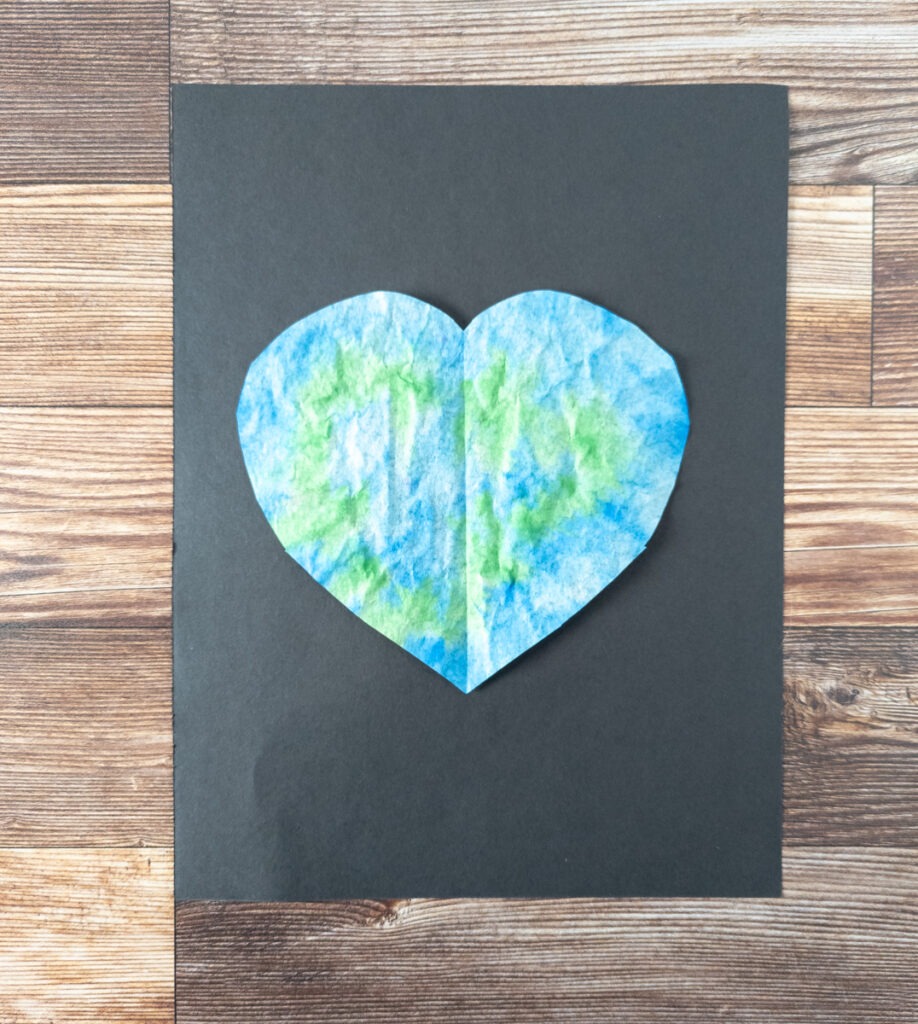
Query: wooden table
x,y
86,910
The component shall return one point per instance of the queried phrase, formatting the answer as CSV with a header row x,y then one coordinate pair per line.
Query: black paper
x,y
637,751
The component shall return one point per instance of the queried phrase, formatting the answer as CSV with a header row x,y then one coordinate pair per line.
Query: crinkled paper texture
x,y
463,492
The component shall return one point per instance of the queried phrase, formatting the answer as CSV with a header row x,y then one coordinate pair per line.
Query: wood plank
x,y
851,517
87,936
895,325
838,947
851,736
85,459
84,90
856,135
850,478
850,66
86,293
829,293
86,727
851,586
107,567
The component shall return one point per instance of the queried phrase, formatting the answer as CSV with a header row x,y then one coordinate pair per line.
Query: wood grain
x,y
895,332
107,567
854,135
87,936
829,294
84,90
851,736
851,515
85,737
838,948
850,478
850,66
85,536
86,293
851,586
85,458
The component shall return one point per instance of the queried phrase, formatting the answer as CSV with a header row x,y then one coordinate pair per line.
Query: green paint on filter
x,y
353,380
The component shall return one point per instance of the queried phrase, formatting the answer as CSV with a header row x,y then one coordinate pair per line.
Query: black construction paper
x,y
635,752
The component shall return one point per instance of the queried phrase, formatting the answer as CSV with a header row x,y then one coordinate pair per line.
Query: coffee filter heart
x,y
464,492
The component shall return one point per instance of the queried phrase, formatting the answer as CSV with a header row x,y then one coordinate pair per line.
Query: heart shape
x,y
463,492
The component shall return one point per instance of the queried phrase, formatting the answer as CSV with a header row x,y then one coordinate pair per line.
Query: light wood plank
x,y
84,90
850,478
85,737
82,458
86,293
851,736
829,293
87,936
838,948
107,567
780,41
851,586
895,332
863,134
850,66
851,517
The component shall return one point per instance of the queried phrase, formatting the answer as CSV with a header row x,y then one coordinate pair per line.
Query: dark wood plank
x,y
839,947
850,66
829,291
86,293
86,936
86,726
895,329
851,736
84,90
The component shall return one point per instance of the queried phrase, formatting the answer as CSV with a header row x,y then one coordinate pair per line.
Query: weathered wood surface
x,y
851,514
85,534
829,295
86,936
838,948
851,478
108,567
84,90
851,586
895,365
64,459
850,65
85,737
851,736
86,294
